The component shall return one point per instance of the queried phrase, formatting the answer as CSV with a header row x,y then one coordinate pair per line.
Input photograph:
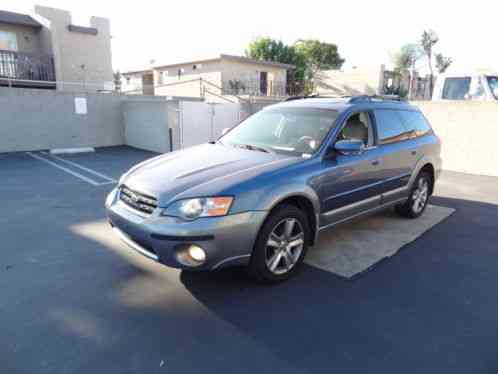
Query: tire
x,y
278,253
418,199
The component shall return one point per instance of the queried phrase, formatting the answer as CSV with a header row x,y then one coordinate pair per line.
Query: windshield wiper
x,y
252,147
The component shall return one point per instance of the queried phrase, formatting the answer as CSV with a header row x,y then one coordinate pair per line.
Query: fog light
x,y
197,253
191,255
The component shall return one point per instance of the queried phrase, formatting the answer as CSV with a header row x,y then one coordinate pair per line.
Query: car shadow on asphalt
x,y
379,319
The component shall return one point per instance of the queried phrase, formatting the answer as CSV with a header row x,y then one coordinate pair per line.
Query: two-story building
x,y
46,50
225,75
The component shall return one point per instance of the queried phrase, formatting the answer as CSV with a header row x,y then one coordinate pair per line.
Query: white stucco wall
x,y
132,84
187,85
219,72
28,38
352,82
249,74
78,57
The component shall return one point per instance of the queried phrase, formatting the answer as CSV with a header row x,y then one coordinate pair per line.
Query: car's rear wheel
x,y
281,245
416,203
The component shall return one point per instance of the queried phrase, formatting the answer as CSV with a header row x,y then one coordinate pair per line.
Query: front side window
x,y
493,86
456,88
358,127
293,131
8,41
415,123
390,128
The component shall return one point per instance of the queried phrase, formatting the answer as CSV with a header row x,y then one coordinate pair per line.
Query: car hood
x,y
199,171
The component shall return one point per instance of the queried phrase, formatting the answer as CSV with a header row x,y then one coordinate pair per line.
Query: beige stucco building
x,y
214,79
46,50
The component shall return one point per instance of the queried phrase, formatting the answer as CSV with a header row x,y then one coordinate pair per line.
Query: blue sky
x,y
367,32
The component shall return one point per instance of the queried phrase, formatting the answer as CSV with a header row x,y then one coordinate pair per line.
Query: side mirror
x,y
225,130
349,147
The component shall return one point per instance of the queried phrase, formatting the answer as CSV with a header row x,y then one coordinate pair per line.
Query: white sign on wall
x,y
80,105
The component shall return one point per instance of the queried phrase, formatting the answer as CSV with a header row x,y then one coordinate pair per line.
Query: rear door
x,y
398,153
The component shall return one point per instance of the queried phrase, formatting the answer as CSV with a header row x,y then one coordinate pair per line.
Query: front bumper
x,y
227,240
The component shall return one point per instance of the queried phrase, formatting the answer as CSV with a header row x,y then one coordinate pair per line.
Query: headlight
x,y
190,209
110,198
121,179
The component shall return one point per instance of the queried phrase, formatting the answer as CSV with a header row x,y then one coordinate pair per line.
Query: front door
x,y
263,83
349,183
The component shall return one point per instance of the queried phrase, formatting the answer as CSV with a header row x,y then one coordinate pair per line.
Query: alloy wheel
x,y
284,246
420,195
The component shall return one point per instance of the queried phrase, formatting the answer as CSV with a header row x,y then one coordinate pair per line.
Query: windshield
x,y
294,131
493,86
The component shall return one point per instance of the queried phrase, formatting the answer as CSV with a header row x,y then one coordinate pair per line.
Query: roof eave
x,y
256,61
19,19
246,60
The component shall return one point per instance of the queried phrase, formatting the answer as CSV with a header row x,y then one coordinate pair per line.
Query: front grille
x,y
137,200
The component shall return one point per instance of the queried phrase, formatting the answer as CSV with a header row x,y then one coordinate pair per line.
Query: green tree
x,y
442,62
309,57
268,49
404,62
406,58
428,39
317,56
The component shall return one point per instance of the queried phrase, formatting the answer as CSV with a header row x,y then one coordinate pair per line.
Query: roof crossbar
x,y
292,98
354,99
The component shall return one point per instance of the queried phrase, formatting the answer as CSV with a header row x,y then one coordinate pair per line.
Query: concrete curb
x,y
61,151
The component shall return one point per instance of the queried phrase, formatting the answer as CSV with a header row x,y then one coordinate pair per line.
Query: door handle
x,y
376,162
414,152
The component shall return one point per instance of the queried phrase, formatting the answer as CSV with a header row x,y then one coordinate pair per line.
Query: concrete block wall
x,y
469,134
146,123
43,119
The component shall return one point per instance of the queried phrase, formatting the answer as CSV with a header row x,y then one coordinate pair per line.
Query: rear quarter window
x,y
390,127
415,123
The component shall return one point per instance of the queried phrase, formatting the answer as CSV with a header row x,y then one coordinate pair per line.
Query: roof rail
x,y
354,99
292,98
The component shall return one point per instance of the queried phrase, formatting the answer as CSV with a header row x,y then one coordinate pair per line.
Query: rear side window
x,y
390,128
456,88
415,123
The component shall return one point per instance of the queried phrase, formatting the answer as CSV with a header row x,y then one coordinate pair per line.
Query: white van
x,y
483,87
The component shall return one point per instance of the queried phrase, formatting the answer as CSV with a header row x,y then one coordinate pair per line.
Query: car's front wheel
x,y
281,245
416,203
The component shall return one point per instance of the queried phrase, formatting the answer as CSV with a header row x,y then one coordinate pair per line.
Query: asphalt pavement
x,y
74,300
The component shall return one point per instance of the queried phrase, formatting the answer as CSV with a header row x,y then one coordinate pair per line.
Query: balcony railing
x,y
25,66
254,88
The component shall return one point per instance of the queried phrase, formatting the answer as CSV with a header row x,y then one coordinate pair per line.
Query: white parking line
x,y
73,173
109,179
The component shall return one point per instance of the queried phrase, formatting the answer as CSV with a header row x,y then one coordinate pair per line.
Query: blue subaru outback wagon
x,y
262,193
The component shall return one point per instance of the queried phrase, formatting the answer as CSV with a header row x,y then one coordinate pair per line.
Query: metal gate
x,y
202,122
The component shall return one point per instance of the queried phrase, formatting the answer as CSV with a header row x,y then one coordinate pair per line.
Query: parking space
x,y
75,300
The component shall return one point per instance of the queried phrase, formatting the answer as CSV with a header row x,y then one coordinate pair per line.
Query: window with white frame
x,y
8,41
